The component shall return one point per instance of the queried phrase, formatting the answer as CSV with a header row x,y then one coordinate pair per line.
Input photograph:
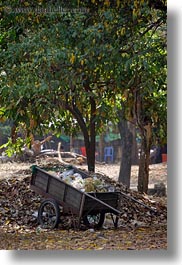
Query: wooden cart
x,y
63,199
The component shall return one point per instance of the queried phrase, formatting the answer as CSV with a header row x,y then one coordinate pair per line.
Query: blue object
x,y
109,153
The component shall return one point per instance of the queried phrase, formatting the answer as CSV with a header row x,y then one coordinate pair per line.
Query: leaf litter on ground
x,y
138,227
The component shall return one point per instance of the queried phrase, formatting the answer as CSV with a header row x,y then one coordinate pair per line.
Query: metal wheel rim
x,y
48,215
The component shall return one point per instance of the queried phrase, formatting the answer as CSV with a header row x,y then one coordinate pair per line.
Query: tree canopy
x,y
70,64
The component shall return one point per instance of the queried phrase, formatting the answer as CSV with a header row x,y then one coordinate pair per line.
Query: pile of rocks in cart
x,y
84,181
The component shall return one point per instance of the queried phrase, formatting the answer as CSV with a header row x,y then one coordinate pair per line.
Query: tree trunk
x,y
145,126
14,134
101,147
90,151
134,160
88,134
126,146
144,161
90,148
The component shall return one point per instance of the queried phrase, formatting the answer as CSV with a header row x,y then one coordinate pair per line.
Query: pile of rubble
x,y
88,183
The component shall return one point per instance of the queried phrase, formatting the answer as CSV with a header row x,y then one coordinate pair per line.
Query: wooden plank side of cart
x,y
106,202
70,198
53,187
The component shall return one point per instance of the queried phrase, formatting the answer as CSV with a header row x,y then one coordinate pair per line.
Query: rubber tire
x,y
56,211
96,225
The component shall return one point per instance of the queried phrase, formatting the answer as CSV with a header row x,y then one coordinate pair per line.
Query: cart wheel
x,y
94,220
49,214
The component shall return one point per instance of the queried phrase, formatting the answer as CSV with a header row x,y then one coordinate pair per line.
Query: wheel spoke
x,y
49,214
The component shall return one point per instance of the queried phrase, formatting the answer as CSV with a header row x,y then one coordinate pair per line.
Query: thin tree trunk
x,y
143,174
126,146
145,126
91,150
14,134
134,147
89,135
101,147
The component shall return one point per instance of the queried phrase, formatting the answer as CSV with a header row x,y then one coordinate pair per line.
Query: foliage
x,y
71,69
15,148
148,73
79,45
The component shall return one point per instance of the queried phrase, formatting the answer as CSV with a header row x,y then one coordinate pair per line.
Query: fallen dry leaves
x,y
19,228
143,238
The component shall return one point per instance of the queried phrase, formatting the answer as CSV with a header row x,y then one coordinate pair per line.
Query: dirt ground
x,y
157,173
